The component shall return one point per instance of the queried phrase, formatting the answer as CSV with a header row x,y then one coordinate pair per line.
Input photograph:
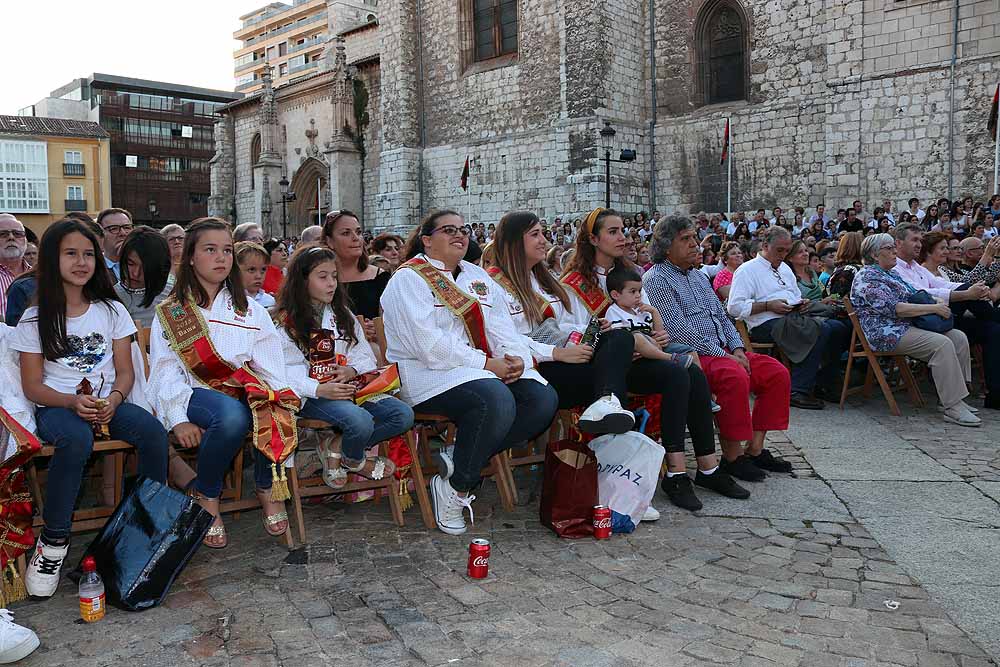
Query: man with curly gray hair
x,y
693,315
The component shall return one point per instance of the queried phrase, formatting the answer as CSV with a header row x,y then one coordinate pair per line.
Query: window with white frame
x,y
74,192
24,177
73,157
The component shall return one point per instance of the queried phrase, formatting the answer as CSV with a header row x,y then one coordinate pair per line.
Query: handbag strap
x,y
899,279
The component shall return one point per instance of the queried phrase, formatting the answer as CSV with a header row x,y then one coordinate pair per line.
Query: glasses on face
x,y
452,231
117,229
891,246
175,239
12,234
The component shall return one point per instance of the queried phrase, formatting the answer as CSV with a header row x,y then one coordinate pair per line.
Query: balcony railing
x,y
74,170
76,205
248,65
248,84
303,67
308,44
298,25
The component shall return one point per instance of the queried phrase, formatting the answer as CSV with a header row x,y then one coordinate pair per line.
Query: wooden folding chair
x,y
90,518
499,467
769,349
858,349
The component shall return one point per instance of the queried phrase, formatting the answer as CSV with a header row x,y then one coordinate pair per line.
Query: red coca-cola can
x,y
479,558
602,522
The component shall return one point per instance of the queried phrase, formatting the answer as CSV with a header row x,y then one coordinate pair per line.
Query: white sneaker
x,y
959,414
42,577
16,641
971,408
449,507
606,415
446,466
651,514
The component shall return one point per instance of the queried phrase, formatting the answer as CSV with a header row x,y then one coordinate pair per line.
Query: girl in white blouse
x,y
324,349
460,355
240,331
76,366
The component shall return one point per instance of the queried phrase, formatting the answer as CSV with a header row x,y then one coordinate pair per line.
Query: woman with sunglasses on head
x,y
460,356
325,348
209,347
364,282
76,366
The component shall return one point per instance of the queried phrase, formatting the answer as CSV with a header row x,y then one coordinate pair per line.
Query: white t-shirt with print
x,y
622,319
90,339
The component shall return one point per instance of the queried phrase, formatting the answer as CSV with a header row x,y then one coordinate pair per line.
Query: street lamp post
x,y
286,197
627,155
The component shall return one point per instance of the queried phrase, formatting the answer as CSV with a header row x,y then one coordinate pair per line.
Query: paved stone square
x,y
881,510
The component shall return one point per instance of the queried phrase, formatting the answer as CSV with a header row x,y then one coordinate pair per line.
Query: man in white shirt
x,y
776,213
915,209
887,211
765,290
820,214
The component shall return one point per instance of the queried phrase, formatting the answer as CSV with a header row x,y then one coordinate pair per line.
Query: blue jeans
x,y
823,363
226,422
491,416
361,425
73,440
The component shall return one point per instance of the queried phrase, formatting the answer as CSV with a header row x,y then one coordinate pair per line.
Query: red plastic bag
x,y
569,489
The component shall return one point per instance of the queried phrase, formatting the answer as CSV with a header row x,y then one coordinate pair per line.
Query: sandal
x,y
217,529
374,468
271,520
334,474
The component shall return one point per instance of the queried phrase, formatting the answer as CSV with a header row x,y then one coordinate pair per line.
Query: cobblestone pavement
x,y
881,510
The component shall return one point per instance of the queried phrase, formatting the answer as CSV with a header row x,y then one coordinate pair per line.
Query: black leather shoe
x,y
680,492
805,402
722,484
828,395
743,468
767,461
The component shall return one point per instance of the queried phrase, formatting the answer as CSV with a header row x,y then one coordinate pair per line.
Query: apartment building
x,y
50,166
161,140
291,38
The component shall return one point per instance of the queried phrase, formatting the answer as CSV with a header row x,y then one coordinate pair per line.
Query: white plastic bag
x,y
628,468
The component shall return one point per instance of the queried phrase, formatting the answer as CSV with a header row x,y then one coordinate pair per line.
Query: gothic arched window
x,y
254,157
722,36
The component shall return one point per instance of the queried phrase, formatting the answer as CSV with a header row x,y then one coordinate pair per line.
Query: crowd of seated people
x,y
462,305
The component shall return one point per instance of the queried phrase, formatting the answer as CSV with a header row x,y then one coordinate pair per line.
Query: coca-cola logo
x,y
603,523
482,561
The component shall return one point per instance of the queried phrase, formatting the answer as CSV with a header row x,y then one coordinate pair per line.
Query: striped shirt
x,y
692,313
6,278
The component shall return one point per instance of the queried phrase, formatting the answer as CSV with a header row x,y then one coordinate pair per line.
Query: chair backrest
x,y
741,326
380,339
857,333
142,339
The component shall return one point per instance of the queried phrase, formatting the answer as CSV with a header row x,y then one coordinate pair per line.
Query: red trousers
x,y
770,384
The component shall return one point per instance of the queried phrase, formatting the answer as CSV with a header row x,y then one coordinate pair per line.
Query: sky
x,y
45,45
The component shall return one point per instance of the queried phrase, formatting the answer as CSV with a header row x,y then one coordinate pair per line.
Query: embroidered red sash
x,y
454,299
274,431
16,512
547,310
594,298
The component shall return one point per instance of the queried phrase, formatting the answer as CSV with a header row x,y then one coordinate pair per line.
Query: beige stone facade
x,y
845,99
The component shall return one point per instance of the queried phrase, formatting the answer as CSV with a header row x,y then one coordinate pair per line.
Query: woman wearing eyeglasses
x,y
880,298
365,282
460,356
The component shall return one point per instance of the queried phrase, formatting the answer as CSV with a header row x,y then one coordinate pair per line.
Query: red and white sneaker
x,y
42,577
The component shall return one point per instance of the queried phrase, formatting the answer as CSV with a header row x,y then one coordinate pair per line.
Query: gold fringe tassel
x,y
279,484
13,585
405,500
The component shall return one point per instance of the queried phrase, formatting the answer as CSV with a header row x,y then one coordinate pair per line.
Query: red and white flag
x,y
725,144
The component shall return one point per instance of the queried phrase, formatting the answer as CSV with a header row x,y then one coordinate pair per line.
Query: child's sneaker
x,y
715,407
42,578
685,360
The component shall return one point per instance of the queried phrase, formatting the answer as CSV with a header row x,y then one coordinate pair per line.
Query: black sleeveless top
x,y
366,294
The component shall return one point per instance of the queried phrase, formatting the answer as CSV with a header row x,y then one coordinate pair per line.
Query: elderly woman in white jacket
x,y
460,355
325,348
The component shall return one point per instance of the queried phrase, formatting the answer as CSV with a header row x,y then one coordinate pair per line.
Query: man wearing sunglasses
x,y
13,244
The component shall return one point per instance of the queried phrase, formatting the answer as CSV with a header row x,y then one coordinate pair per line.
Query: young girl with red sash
x,y
459,355
76,366
216,372
685,396
325,348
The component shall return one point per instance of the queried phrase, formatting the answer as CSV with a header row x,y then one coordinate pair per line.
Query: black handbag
x,y
934,323
146,543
